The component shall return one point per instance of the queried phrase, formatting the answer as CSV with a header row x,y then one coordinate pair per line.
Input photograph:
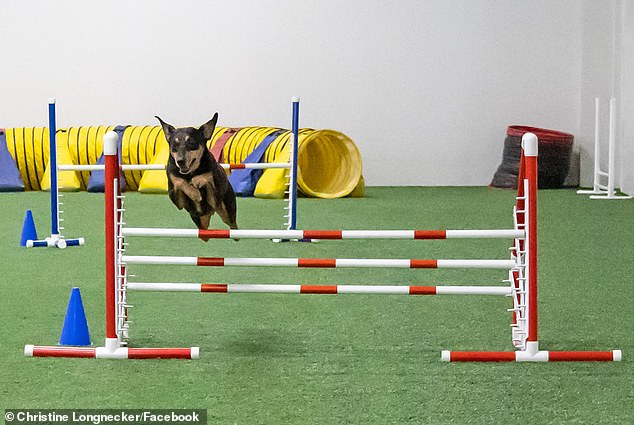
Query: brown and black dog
x,y
195,180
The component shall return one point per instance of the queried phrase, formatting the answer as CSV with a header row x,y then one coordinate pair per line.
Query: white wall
x,y
626,29
426,88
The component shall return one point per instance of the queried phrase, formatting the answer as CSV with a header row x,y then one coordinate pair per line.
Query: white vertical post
x,y
597,173
611,147
597,149
607,191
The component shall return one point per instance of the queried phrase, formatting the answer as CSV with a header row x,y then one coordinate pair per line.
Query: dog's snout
x,y
181,162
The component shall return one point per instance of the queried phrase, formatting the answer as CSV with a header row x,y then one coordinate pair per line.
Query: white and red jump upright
x,y
521,285
115,346
524,281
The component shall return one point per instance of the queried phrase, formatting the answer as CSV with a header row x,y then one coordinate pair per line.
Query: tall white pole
x,y
611,146
597,150
597,174
607,191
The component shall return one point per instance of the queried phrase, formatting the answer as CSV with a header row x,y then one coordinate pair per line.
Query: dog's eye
x,y
192,146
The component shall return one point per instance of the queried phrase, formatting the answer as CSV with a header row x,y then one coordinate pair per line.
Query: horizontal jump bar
x,y
322,234
319,289
126,167
317,262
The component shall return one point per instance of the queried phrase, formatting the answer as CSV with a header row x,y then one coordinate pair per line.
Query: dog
x,y
195,181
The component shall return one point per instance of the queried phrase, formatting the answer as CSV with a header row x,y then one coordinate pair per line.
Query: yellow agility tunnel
x,y
329,163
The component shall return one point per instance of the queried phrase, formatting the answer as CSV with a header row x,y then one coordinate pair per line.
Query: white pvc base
x,y
602,194
610,197
123,353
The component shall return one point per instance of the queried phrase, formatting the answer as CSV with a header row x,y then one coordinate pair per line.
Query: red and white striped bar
x,y
527,356
323,234
318,289
118,353
317,262
141,167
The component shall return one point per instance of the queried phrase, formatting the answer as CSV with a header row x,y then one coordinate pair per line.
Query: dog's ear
x,y
167,128
209,127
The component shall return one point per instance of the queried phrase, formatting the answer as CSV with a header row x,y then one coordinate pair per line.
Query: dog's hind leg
x,y
227,212
201,221
229,208
228,218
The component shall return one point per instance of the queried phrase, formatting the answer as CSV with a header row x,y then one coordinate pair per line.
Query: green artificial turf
x,y
278,359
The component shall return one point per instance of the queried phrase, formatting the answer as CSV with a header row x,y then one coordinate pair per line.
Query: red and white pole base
x,y
112,350
531,354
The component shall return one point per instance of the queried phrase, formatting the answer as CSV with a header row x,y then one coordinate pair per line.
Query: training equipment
x,y
318,289
292,183
66,182
30,148
243,181
75,329
113,348
330,161
599,190
525,281
554,160
132,136
29,232
329,263
10,179
56,239
95,182
521,283
321,234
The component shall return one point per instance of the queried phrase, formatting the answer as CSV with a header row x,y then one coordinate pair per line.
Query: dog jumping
x,y
195,180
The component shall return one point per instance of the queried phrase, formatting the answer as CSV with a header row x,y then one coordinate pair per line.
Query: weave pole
x,y
527,205
114,346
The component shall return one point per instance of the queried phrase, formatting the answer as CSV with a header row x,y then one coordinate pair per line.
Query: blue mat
x,y
10,178
244,180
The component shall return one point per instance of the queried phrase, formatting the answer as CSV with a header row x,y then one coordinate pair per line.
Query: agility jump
x,y
521,285
57,240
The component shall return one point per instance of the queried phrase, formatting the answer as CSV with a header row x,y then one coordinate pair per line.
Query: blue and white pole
x,y
56,240
52,129
292,187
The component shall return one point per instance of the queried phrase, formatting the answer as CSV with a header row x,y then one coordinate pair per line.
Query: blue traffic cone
x,y
75,330
28,229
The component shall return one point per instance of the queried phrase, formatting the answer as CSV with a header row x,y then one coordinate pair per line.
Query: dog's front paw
x,y
198,198
195,195
200,181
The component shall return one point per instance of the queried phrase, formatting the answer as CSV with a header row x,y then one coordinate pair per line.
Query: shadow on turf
x,y
259,342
